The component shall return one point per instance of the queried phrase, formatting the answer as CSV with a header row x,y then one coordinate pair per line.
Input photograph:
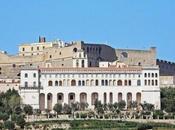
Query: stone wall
x,y
137,57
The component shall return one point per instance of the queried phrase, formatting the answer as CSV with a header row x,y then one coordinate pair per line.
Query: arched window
x,y
119,97
145,82
156,75
56,83
119,83
75,50
77,63
82,63
145,75
73,83
26,84
111,98
126,82
138,82
102,82
34,84
152,82
148,74
94,98
26,75
79,83
96,82
83,83
106,82
156,83
60,83
50,83
105,98
138,98
152,75
129,82
34,75
149,82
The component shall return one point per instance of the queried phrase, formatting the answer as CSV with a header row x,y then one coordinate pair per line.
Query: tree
x,y
147,106
18,110
9,125
4,116
20,121
121,105
28,109
110,107
99,107
58,108
83,106
67,109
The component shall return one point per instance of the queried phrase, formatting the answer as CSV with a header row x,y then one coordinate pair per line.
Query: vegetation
x,y
11,112
168,99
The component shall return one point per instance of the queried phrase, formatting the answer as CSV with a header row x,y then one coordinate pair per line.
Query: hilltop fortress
x,y
46,73
73,54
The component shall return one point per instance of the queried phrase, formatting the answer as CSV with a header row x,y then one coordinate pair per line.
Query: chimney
x,y
42,39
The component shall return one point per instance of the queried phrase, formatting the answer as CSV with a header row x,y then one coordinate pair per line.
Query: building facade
x,y
44,87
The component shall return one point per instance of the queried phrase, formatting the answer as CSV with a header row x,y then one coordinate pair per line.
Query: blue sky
x,y
137,24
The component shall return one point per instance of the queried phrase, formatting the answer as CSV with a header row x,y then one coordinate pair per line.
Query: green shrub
x,y
4,116
144,127
9,125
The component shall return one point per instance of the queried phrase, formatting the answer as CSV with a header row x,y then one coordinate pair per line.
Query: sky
x,y
132,24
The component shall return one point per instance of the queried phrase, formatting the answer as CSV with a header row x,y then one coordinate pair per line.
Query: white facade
x,y
109,85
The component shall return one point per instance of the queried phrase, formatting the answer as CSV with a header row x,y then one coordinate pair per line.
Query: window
x,y
34,75
82,63
37,47
14,65
50,83
50,56
145,75
96,82
145,82
26,84
31,48
23,49
129,82
138,83
156,83
56,83
119,83
79,83
75,50
152,82
26,75
153,75
156,75
34,84
83,83
148,74
124,54
106,82
102,83
60,53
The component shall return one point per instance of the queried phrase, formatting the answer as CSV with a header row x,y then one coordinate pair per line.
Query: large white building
x,y
44,87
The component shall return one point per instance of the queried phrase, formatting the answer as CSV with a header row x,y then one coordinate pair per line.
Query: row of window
x,y
94,83
151,75
26,75
32,48
151,82
92,75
